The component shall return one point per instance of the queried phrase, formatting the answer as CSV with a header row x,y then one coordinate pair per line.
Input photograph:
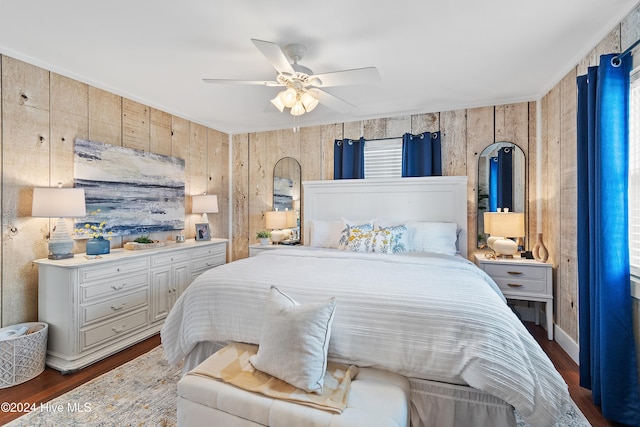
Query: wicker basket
x,y
23,358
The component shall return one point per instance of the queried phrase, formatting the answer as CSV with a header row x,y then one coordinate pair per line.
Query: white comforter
x,y
433,317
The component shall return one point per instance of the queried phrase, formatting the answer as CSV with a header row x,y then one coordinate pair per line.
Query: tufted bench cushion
x,y
377,399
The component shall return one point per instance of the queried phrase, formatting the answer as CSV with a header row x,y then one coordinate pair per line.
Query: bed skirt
x,y
433,403
440,404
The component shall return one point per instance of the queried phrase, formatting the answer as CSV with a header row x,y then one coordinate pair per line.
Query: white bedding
x,y
434,317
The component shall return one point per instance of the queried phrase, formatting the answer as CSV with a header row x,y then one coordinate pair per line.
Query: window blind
x,y
383,158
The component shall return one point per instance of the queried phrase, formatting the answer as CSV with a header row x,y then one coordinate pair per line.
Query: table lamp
x,y
58,202
204,204
276,221
501,226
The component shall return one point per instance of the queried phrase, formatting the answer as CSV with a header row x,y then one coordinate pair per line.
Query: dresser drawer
x,y
162,260
115,328
121,269
114,286
200,265
210,251
123,304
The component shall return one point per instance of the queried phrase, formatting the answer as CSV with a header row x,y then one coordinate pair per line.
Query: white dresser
x,y
97,307
523,279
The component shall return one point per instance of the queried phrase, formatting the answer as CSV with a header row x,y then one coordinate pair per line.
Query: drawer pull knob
x,y
514,285
114,308
515,273
117,331
117,288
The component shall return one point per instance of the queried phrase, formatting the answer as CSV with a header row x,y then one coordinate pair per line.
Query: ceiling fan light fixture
x,y
297,109
278,103
309,101
288,97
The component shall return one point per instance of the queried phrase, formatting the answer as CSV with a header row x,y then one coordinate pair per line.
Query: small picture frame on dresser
x,y
202,232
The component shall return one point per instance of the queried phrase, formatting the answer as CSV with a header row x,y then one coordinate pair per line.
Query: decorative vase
x,y
98,246
539,251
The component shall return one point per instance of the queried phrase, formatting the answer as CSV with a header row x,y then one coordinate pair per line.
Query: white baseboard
x,y
567,343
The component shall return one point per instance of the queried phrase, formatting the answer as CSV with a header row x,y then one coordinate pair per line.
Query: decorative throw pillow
x,y
295,340
399,237
347,232
370,241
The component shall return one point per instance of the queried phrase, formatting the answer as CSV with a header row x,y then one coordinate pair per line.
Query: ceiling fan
x,y
304,90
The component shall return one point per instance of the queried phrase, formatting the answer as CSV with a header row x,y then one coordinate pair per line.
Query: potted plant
x,y
264,237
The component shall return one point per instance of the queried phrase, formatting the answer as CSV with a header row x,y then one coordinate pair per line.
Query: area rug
x,y
143,392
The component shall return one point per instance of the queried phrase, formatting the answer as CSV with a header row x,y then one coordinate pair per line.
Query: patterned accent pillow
x,y
399,237
346,233
379,241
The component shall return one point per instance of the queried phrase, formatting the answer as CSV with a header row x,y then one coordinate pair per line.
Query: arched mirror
x,y
286,190
501,182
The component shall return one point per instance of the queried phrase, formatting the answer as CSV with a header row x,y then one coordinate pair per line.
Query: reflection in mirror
x,y
286,192
501,182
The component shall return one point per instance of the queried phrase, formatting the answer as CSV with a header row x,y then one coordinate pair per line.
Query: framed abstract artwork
x,y
131,192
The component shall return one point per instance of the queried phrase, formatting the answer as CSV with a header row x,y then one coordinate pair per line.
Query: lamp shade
x,y
504,224
205,203
275,220
57,202
292,219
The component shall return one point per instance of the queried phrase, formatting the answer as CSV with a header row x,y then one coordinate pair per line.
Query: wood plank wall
x,y
465,133
559,178
41,114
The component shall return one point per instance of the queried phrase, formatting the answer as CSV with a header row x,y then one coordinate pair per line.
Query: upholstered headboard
x,y
442,199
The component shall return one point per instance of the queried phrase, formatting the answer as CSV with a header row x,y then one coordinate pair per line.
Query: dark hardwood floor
x,y
51,383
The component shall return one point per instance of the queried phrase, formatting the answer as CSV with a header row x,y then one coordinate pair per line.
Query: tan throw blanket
x,y
231,365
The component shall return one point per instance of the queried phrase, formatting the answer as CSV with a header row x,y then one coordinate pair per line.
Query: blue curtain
x,y
501,180
493,184
421,154
348,159
607,347
505,178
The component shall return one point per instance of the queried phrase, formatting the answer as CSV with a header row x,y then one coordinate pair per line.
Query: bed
x,y
426,313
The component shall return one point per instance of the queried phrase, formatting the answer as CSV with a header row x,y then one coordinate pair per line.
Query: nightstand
x,y
523,279
257,248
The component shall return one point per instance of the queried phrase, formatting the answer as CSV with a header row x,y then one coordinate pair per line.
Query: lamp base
x,y
60,256
505,247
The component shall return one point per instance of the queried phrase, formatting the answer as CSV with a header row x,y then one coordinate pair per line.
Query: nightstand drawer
x,y
508,272
518,285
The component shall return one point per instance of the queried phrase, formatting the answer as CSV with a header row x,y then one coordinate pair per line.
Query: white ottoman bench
x,y
377,399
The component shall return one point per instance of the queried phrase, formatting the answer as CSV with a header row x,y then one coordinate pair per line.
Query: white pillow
x,y
295,340
399,235
325,234
437,237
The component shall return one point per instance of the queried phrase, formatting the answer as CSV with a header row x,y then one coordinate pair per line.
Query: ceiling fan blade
x,y
243,82
333,102
275,56
368,75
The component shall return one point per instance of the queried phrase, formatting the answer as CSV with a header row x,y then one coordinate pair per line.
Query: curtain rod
x,y
396,137
616,59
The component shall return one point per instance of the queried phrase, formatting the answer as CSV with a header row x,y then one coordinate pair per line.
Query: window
x,y
383,158
634,174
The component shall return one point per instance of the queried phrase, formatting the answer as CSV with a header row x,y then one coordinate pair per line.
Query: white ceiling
x,y
432,55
